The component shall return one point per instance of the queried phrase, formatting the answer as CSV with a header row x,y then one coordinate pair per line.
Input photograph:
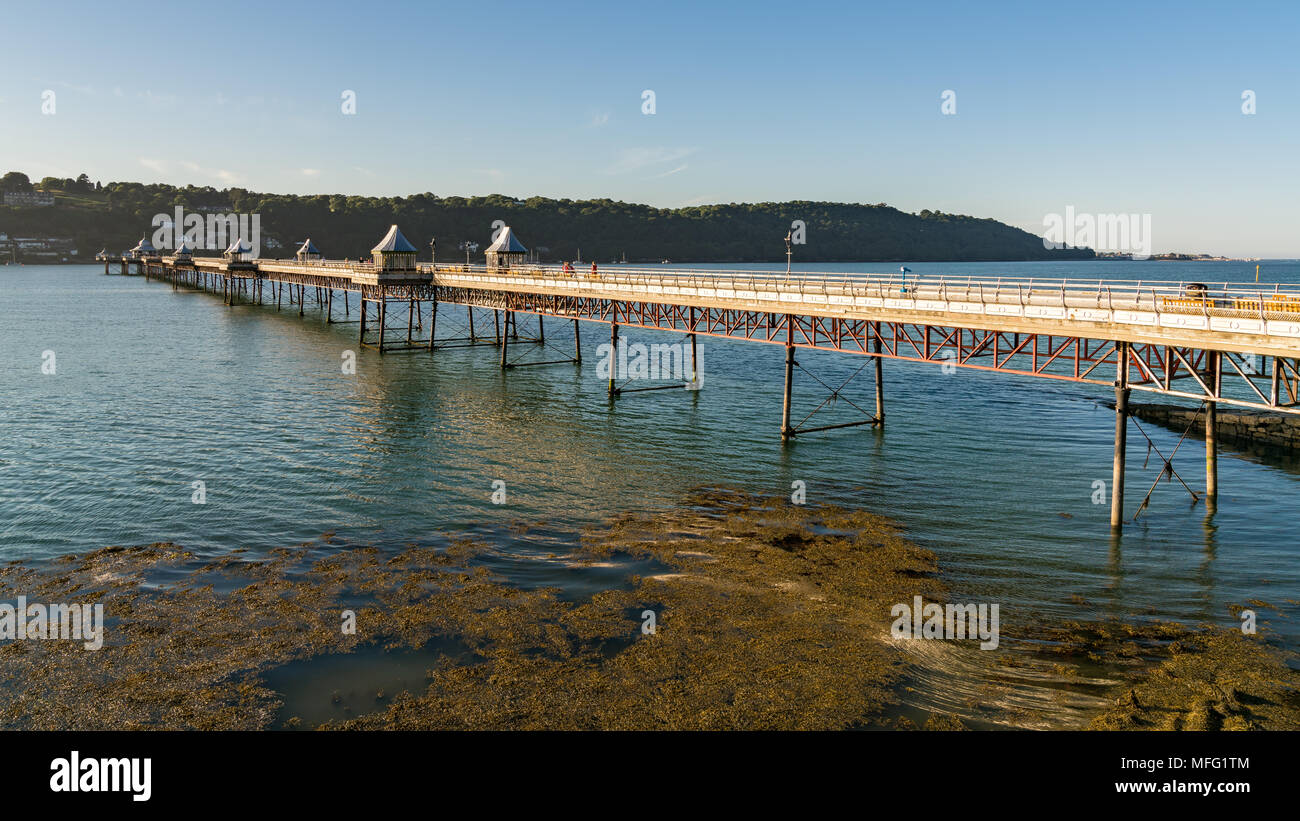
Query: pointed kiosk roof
x,y
144,245
239,246
185,248
394,242
309,247
507,243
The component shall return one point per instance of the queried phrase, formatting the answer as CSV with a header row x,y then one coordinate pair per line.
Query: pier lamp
x,y
904,270
433,249
789,252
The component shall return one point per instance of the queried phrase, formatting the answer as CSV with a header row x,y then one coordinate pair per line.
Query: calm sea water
x,y
155,390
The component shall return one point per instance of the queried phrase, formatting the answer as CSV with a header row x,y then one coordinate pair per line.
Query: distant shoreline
x,y
1173,257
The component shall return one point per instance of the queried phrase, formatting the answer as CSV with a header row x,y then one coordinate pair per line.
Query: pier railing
x,y
1132,301
1224,298
1233,316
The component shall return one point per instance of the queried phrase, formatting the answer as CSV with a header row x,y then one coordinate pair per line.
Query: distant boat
x,y
665,262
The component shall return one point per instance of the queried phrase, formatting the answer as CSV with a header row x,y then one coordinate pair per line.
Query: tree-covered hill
x,y
115,214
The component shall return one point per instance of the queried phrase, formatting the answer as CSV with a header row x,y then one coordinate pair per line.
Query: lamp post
x,y
904,270
789,253
433,250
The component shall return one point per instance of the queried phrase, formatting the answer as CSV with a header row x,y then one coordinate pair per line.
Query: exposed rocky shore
x,y
1237,426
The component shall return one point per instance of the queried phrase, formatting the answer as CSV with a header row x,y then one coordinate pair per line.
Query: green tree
x,y
15,181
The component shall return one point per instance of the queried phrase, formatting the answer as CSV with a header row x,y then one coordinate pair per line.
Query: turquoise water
x,y
156,389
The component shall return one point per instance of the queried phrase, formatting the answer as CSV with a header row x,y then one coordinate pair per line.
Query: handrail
x,y
1159,298
849,279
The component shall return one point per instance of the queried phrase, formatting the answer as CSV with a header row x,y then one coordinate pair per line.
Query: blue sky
x,y
1106,107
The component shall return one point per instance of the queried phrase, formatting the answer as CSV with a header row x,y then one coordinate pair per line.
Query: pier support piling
x,y
433,324
505,341
880,379
695,367
613,358
786,431
1212,432
1121,439
577,343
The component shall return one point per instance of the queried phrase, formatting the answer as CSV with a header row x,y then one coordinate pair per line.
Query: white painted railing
x,y
1226,308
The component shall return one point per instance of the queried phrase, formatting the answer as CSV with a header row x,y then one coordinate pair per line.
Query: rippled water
x,y
156,389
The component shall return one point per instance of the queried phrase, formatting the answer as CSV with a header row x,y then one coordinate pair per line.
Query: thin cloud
x,y
216,173
635,159
681,167
166,167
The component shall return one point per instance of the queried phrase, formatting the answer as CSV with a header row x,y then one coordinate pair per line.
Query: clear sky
x,y
1107,107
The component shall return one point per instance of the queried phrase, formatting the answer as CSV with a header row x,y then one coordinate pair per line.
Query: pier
x,y
1228,344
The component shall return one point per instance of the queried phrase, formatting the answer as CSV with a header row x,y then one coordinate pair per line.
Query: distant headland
x,y
72,220
1175,257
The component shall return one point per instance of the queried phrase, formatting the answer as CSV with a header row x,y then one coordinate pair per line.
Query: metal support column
x,y
786,430
505,341
1121,438
613,358
433,323
1212,432
880,379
